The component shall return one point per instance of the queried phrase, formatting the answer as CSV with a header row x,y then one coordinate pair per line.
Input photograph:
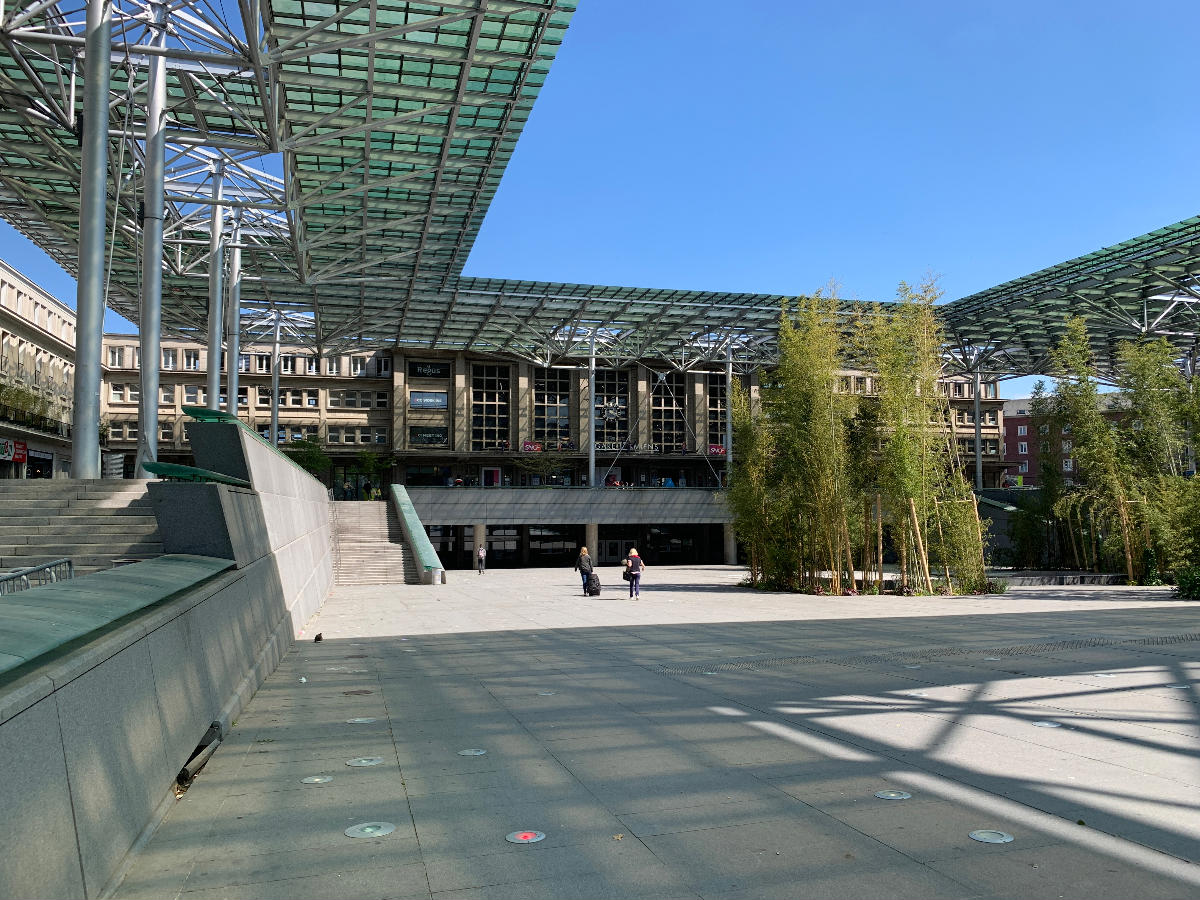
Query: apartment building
x,y
37,372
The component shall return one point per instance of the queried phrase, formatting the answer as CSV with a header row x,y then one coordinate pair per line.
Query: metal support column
x,y
89,311
233,316
216,287
150,327
275,382
978,436
591,413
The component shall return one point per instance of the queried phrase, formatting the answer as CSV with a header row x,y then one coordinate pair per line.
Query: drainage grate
x,y
926,655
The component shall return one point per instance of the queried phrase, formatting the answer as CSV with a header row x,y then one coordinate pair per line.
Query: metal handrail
x,y
24,579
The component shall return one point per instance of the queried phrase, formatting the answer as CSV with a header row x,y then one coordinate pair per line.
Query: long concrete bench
x,y
46,621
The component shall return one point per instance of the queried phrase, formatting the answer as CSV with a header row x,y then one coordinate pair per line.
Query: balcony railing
x,y
27,419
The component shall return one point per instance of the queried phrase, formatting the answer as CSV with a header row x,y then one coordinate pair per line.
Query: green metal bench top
x,y
204,414
42,620
177,472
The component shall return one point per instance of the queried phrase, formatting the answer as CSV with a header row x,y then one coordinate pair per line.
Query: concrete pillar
x,y
698,384
591,539
978,434
639,413
399,402
524,412
730,545
216,287
480,537
462,403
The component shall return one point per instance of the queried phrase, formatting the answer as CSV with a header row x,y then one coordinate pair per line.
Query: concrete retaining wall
x,y
567,506
90,741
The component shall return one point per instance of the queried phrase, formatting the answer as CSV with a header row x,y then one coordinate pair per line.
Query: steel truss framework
x,y
362,141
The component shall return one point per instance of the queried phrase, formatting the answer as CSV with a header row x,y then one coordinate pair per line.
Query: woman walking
x,y
634,566
583,565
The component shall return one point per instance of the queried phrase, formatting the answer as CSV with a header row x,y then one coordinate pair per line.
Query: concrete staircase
x,y
368,545
92,522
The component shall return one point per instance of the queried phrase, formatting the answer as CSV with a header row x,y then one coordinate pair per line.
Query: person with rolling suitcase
x,y
583,565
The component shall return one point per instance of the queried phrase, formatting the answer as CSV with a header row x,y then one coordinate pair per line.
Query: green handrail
x,y
416,538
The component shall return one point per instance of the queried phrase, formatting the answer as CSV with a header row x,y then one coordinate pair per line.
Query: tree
x,y
309,455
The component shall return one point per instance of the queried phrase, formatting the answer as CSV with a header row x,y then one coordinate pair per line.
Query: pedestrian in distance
x,y
583,565
634,567
347,490
481,558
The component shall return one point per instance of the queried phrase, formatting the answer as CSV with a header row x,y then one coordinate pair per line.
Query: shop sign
x,y
428,369
13,451
716,449
427,400
428,436
627,447
531,446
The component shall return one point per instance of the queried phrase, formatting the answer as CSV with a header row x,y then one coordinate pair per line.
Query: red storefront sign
x,y
15,451
716,449
20,451
531,446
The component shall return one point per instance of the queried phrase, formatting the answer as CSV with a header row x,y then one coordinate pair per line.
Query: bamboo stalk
x,y
922,559
849,551
937,517
879,539
866,557
904,558
1071,535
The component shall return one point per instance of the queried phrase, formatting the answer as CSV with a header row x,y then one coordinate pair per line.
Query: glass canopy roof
x,y
361,143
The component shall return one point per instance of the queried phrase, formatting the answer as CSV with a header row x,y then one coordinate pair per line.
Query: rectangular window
x,y
358,365
116,357
1068,465
287,365
1043,429
1022,430
131,431
263,397
166,395
295,398
611,408
311,365
989,390
552,406
989,417
311,432
349,435
191,395
1066,429
490,389
264,432
364,435
716,409
133,393
335,435
958,389
262,364
1023,448
381,435
381,400
311,398
116,393
191,360
243,362
431,399
335,365
384,365
243,396
336,398
166,432
991,447
1023,467
169,360
1066,447
668,410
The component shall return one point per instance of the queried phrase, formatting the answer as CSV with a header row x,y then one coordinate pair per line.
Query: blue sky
x,y
774,147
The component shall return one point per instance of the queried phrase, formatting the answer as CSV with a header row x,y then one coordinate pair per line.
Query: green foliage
x,y
24,400
820,473
1187,584
309,454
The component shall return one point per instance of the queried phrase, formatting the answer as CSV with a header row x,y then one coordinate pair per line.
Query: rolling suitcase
x,y
593,585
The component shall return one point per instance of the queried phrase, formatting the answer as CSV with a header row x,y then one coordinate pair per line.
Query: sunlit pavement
x,y
706,741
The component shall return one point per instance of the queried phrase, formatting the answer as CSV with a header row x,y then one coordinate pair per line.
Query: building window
x,y
490,386
668,406
116,393
264,432
1023,448
133,393
381,399
116,357
958,389
1022,430
358,365
551,406
193,395
991,447
243,362
335,365
989,417
287,365
422,399
381,435
334,435
191,360
716,409
989,390
311,398
243,396
131,431
1043,429
262,363
166,432
384,365
1068,465
1066,447
169,360
166,395
612,405
312,365
1023,467
263,397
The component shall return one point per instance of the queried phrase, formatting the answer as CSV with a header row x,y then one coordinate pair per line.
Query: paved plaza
x,y
707,741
